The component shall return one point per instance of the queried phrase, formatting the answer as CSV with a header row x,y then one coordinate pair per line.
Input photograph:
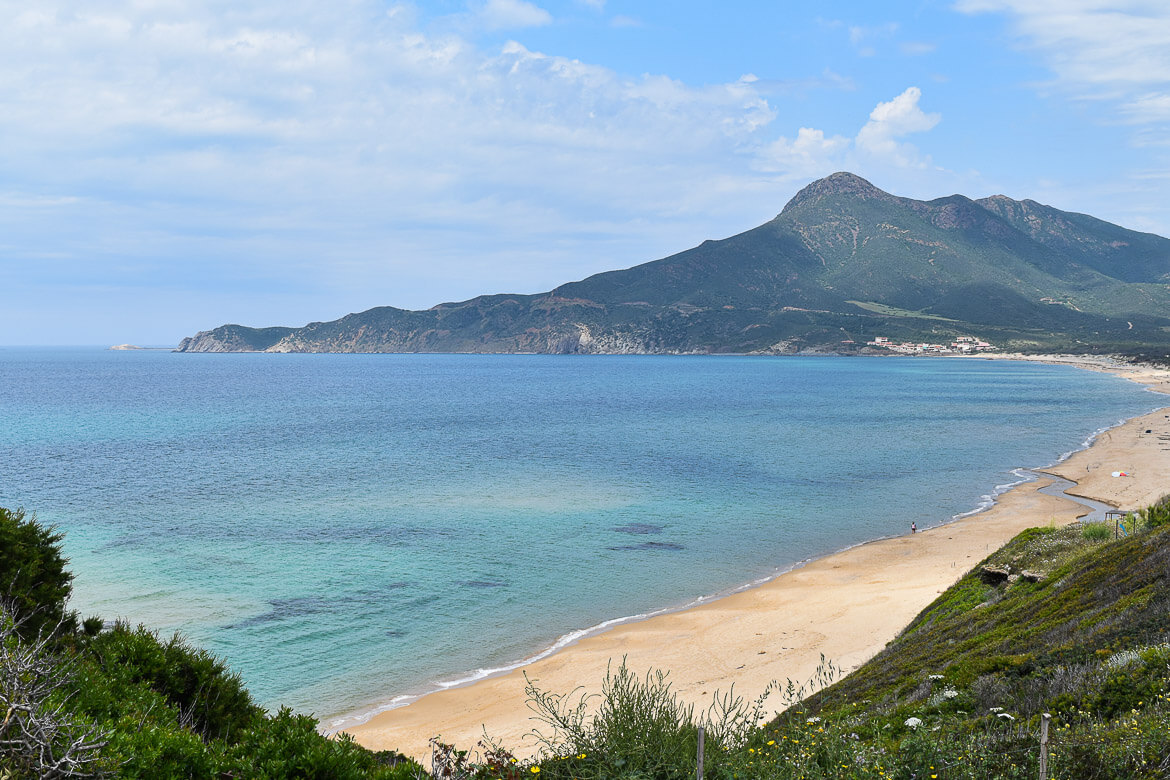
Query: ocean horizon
x,y
351,530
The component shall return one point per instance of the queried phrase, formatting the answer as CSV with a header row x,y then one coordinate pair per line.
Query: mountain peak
x,y
840,183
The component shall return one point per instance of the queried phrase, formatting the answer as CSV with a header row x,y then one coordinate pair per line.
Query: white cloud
x,y
890,121
509,14
1117,50
809,155
878,145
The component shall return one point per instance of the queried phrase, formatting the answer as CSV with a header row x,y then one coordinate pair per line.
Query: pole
x,y
1044,745
699,772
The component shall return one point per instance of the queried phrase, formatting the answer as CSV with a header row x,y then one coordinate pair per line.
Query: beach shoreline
x,y
846,605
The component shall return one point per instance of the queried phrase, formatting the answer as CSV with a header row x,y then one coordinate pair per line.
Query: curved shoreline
x,y
821,613
353,720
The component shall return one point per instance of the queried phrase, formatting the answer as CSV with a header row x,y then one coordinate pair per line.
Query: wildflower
x,y
995,709
913,722
771,742
813,720
582,755
950,693
535,770
936,677
1004,715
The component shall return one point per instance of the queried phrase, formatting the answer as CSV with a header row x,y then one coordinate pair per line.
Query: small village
x,y
961,345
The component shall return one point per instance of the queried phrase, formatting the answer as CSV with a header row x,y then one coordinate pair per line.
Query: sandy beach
x,y
846,606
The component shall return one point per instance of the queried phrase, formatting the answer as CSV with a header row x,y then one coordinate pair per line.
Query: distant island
x,y
842,265
135,347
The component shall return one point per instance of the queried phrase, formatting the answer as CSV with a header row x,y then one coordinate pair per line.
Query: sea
x,y
351,531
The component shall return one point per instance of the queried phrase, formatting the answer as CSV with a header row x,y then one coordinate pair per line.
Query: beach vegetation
x,y
1096,532
638,727
1157,514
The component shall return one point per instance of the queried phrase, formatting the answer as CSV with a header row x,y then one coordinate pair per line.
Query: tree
x,y
33,579
39,736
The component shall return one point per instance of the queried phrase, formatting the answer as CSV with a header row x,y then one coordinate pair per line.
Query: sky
x,y
168,166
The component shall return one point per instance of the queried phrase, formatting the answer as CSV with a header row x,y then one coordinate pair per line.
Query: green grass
x,y
893,311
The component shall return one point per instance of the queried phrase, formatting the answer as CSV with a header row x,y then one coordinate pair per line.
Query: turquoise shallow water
x,y
346,529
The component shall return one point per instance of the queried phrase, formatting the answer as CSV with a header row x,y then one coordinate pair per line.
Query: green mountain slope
x,y
842,263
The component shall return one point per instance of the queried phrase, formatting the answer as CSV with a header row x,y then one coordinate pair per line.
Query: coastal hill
x,y
842,264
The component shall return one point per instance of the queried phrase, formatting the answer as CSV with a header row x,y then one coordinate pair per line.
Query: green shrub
x,y
207,696
33,577
288,746
1157,514
640,728
1096,532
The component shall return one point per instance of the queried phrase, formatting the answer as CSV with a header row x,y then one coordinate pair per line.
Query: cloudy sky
x,y
167,166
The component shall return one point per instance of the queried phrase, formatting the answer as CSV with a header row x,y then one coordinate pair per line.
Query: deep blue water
x,y
349,528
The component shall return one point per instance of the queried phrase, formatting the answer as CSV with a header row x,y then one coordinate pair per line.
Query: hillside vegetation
x,y
842,263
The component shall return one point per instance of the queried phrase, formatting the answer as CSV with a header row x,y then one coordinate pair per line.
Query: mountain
x,y
843,262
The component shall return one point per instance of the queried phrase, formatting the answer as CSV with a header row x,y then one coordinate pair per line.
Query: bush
x,y
1096,532
208,697
640,729
288,746
1157,514
33,575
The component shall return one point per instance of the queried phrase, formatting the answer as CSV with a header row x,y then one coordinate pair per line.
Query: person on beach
x,y
913,528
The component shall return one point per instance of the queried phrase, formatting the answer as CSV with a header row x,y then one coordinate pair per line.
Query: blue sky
x,y
169,166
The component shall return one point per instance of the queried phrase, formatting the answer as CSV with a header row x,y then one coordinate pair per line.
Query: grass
x,y
893,311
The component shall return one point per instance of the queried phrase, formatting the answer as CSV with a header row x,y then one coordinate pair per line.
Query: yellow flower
x,y
535,770
581,756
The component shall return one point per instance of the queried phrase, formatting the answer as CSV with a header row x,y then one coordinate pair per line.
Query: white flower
x,y
995,709
913,723
950,693
936,677
812,720
1004,715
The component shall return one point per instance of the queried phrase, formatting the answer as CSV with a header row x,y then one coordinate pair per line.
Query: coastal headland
x,y
846,606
